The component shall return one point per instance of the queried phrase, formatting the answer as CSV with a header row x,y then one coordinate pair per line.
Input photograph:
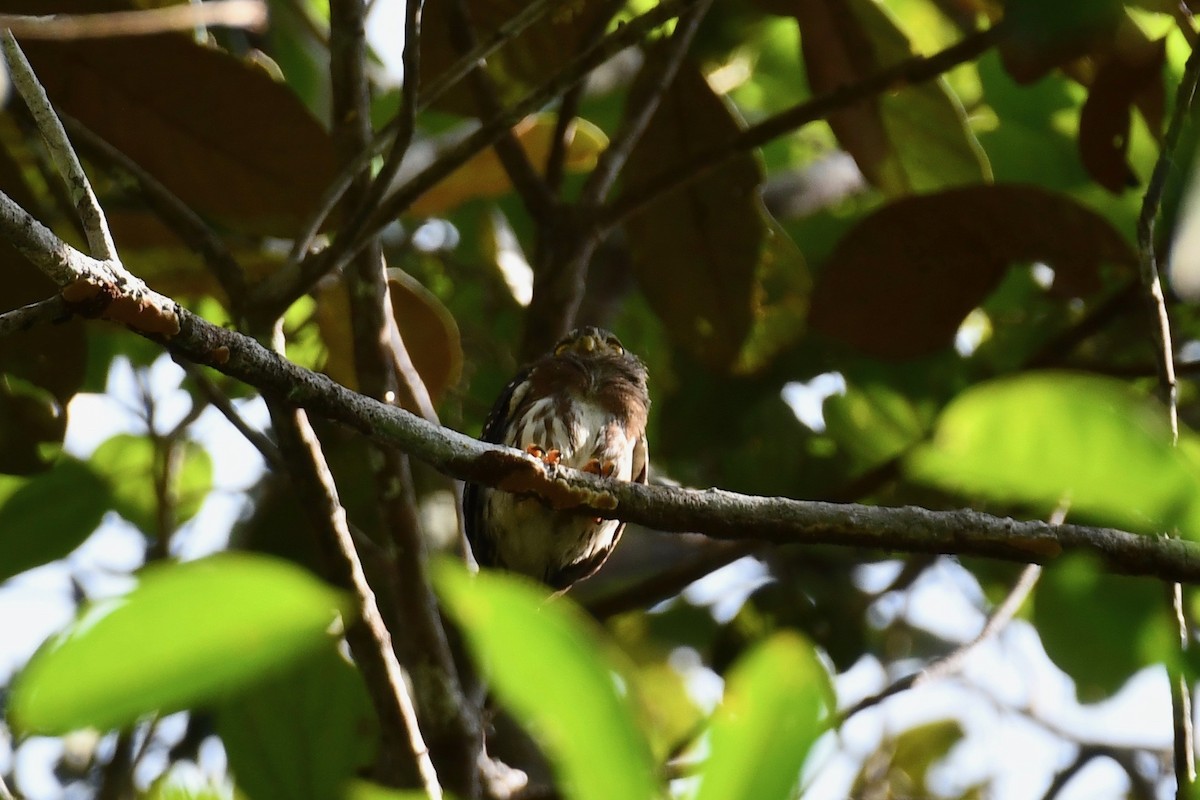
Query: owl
x,y
582,405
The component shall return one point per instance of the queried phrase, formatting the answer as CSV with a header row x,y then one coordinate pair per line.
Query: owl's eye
x,y
615,345
562,348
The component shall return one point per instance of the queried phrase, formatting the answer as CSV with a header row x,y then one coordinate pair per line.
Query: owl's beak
x,y
589,343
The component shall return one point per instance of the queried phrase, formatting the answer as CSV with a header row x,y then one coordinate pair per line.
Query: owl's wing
x,y
641,460
494,431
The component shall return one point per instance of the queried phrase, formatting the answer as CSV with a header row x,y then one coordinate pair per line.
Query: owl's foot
x,y
603,469
549,457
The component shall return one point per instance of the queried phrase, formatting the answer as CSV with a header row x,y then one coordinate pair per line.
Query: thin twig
x,y
454,732
83,199
669,582
917,69
1185,758
278,292
219,400
613,159
567,240
535,194
395,129
368,636
953,661
52,309
251,14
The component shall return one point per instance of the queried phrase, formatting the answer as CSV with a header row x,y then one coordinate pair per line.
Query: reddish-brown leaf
x,y
526,60
837,52
911,139
1125,78
232,142
900,282
429,330
41,369
696,249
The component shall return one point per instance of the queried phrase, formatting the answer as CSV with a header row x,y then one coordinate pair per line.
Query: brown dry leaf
x,y
429,331
231,142
914,138
483,175
40,371
837,52
540,51
155,254
1128,76
696,249
900,282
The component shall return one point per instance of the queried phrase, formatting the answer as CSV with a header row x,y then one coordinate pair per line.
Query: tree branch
x,y
726,515
367,635
52,309
95,226
450,724
278,292
250,14
917,69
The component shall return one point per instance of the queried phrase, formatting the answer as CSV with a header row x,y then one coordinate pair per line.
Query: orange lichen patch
x,y
142,315
86,297
218,355
90,298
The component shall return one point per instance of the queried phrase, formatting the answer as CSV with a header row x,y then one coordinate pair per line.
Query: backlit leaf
x,y
1051,438
484,176
50,515
430,335
777,701
187,634
1100,628
913,139
545,664
302,733
131,464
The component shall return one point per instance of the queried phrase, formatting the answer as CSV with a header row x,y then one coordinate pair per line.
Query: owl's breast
x,y
580,428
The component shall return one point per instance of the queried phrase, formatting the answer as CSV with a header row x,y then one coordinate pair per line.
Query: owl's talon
x,y
604,469
548,457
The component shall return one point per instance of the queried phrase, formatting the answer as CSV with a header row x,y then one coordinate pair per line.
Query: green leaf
x,y
187,634
361,790
1048,438
913,139
302,733
131,464
777,701
546,665
1100,628
50,515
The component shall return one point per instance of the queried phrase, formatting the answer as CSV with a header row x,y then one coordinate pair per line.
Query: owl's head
x,y
589,342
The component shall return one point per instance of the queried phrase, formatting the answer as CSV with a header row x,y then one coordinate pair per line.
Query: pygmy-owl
x,y
582,405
